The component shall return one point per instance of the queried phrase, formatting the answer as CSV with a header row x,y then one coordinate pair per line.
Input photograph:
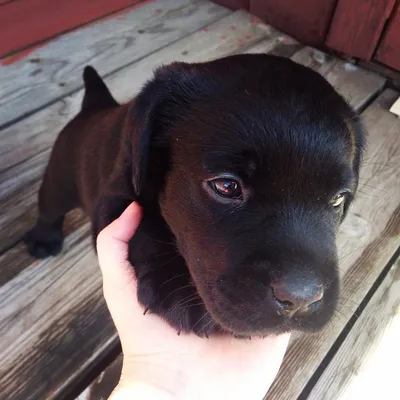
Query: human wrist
x,y
140,391
149,378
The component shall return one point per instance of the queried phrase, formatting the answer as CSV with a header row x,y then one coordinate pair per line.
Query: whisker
x,y
174,291
174,277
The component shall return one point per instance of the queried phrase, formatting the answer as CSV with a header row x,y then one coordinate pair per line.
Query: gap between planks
x,y
363,366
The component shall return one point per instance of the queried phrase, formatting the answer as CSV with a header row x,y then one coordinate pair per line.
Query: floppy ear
x,y
162,101
149,116
358,135
115,197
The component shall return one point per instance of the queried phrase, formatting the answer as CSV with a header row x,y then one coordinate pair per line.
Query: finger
x,y
112,242
119,283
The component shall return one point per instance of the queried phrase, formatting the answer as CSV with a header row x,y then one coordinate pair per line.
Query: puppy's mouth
x,y
253,324
250,313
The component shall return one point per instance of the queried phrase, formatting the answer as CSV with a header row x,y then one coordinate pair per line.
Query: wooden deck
x,y
55,332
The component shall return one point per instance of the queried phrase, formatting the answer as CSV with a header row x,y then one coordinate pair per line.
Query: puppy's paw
x,y
178,302
43,244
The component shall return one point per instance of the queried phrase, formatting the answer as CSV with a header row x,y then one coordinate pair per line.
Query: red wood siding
x,y
357,26
307,20
26,22
389,49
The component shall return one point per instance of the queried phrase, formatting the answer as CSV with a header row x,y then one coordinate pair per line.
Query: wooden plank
x,y
357,26
15,259
25,146
356,85
361,368
22,22
367,240
52,313
389,48
381,69
51,73
306,20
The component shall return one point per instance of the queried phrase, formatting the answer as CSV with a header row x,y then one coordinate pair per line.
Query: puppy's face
x,y
261,159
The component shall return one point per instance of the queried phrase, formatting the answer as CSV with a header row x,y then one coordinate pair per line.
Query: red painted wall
x,y
389,49
357,26
306,20
24,23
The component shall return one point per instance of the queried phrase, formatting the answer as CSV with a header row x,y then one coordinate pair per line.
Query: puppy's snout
x,y
295,295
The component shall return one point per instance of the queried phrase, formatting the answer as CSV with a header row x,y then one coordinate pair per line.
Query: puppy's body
x,y
238,164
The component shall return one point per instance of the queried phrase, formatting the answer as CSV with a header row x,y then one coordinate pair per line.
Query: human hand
x,y
159,363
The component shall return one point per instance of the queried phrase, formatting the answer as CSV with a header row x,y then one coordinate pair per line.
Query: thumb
x,y
112,244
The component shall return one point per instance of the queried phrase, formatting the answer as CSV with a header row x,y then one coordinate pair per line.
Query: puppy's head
x,y
253,160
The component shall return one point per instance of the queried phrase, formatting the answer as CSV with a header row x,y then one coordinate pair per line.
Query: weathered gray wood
x,y
53,320
363,367
25,146
355,84
15,259
368,239
52,71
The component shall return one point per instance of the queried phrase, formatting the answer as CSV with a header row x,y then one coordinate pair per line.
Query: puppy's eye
x,y
227,187
338,199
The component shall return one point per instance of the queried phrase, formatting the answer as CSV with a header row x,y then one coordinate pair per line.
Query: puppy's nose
x,y
297,295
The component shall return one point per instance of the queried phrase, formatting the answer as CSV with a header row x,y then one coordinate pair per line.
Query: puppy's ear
x,y
149,116
115,197
358,138
160,103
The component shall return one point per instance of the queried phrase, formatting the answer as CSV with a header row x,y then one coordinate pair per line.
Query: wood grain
x,y
361,368
306,20
14,260
53,321
24,23
51,73
53,318
368,238
389,48
357,26
356,85
25,146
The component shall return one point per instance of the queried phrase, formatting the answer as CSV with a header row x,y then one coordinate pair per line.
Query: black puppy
x,y
244,166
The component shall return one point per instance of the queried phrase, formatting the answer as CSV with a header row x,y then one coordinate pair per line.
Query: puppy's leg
x,y
57,196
